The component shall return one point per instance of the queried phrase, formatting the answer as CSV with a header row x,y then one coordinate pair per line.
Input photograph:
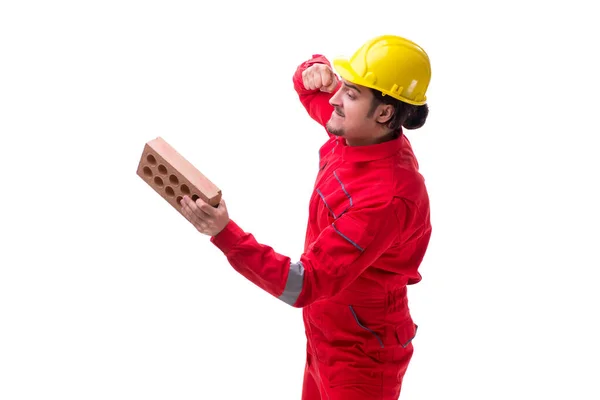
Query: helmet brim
x,y
344,69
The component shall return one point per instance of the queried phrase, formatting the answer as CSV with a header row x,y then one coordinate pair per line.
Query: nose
x,y
334,100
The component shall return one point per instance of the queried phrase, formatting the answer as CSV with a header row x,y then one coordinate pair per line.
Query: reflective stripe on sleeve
x,y
293,286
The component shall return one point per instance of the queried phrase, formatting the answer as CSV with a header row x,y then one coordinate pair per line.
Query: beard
x,y
332,130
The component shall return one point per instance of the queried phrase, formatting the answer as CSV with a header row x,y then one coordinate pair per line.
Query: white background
x,y
107,293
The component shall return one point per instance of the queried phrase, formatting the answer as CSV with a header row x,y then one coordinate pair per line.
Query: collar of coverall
x,y
371,152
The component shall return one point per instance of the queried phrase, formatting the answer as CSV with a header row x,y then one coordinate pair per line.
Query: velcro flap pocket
x,y
406,332
342,243
353,231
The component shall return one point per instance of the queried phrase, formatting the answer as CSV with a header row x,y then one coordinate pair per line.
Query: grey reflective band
x,y
347,238
294,283
343,187
327,205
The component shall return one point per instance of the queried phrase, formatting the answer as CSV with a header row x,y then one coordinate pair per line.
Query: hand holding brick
x,y
172,176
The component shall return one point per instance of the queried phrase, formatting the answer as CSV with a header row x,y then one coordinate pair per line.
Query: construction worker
x,y
369,223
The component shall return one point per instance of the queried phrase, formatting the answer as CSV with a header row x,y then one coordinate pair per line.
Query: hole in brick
x,y
173,179
185,189
162,169
179,198
170,192
158,181
147,171
195,197
151,159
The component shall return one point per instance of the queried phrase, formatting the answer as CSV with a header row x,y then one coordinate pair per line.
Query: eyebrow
x,y
351,86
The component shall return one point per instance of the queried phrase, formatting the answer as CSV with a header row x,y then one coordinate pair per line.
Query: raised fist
x,y
319,76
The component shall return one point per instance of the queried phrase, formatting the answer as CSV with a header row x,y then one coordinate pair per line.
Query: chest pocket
x,y
335,198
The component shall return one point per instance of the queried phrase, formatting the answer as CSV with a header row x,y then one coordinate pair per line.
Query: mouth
x,y
336,111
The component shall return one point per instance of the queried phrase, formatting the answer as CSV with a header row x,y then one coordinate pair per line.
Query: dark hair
x,y
405,115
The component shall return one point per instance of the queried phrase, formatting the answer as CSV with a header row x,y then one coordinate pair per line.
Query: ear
x,y
384,113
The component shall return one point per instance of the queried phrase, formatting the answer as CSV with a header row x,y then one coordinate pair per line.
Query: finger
x,y
201,226
317,82
184,211
189,214
185,208
310,82
197,216
191,204
313,76
205,208
306,79
334,82
326,78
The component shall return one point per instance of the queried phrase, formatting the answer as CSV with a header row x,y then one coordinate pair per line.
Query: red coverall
x,y
367,233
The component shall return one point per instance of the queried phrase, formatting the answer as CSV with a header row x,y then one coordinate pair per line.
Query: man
x,y
368,226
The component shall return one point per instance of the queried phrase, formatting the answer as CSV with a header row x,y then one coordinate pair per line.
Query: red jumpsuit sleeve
x,y
314,101
332,262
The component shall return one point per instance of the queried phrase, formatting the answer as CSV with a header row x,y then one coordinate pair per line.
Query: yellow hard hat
x,y
391,64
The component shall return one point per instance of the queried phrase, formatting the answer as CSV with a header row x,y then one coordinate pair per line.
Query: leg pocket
x,y
366,328
385,341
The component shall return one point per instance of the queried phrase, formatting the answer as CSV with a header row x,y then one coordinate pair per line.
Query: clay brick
x,y
172,176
